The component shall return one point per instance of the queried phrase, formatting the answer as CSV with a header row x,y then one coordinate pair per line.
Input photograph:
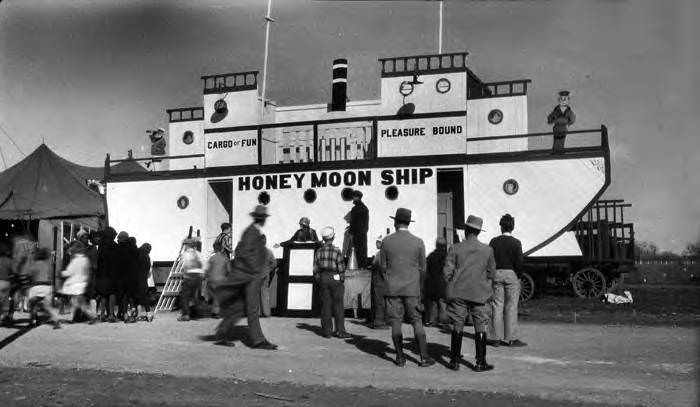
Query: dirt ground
x,y
605,357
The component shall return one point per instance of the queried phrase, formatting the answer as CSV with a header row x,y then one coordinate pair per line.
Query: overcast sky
x,y
89,77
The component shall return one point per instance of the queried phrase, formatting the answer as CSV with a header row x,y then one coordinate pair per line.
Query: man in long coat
x,y
561,117
359,225
402,261
239,294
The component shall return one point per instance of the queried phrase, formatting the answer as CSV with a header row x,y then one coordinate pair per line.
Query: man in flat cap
x,y
359,225
329,271
562,117
469,271
402,261
239,294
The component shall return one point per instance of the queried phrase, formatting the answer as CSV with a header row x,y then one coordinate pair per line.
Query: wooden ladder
x,y
173,285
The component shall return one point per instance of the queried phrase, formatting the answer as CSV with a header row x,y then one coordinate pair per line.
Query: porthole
x,y
443,85
220,106
263,198
188,137
406,88
511,186
391,193
495,116
310,196
183,202
346,194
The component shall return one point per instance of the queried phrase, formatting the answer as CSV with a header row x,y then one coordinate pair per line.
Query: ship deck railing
x,y
344,140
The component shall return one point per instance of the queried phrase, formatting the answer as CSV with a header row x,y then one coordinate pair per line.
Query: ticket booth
x,y
297,294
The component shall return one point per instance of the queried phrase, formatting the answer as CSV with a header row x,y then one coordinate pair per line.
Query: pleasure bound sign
x,y
443,135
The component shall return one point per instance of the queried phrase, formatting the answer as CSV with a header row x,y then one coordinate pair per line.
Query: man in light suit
x,y
469,272
402,261
240,293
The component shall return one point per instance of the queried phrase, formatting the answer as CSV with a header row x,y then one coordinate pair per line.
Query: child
x,y
41,292
78,274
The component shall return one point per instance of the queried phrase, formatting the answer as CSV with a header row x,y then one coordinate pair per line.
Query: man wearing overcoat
x,y
469,271
240,293
402,261
359,225
561,117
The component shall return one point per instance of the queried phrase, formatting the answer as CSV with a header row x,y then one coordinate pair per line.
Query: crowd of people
x,y
102,280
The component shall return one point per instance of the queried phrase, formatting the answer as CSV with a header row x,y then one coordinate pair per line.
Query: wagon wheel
x,y
527,287
588,283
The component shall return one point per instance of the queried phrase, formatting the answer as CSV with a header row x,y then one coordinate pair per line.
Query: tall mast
x,y
440,30
268,20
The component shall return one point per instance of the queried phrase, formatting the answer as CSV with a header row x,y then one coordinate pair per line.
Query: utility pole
x,y
268,20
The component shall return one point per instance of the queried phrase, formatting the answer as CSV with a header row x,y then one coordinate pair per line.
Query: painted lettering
x,y
387,177
349,178
425,173
243,183
258,182
299,178
364,177
270,182
318,180
457,129
284,181
334,179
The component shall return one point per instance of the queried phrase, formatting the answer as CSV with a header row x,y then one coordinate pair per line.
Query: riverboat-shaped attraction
x,y
439,141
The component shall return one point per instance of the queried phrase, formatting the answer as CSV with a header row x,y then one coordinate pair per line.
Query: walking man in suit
x,y
562,117
469,271
240,293
402,261
508,252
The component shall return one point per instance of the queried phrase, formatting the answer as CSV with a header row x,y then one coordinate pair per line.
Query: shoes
x,y
400,360
112,320
455,350
480,343
92,321
327,336
428,361
379,326
517,343
342,335
56,325
265,345
149,318
495,343
183,318
398,345
225,342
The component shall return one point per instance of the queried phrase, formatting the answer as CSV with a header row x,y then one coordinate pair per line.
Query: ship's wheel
x,y
588,282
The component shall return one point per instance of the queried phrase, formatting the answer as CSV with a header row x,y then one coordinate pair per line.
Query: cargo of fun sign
x,y
231,148
443,135
323,179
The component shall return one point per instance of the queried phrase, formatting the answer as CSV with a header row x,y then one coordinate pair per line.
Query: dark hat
x,y
357,193
260,211
564,93
441,241
122,236
225,225
305,221
403,215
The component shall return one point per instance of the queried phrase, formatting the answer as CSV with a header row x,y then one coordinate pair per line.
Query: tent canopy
x,y
44,186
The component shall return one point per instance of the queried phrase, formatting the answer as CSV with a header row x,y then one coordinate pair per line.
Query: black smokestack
x,y
340,84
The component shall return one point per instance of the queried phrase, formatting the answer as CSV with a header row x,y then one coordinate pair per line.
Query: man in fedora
x,y
402,261
359,225
329,271
562,117
469,271
239,294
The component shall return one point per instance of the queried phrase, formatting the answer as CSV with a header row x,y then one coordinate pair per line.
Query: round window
x,y
220,106
263,198
443,85
511,186
183,202
406,88
310,196
188,137
391,193
495,116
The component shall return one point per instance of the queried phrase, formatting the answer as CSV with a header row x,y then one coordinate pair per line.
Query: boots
x,y
456,351
481,365
425,360
398,344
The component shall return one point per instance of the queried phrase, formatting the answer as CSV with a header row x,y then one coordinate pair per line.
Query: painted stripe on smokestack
x,y
340,86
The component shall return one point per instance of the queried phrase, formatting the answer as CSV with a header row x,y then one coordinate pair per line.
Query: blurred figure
x,y
91,241
434,285
359,225
192,272
378,290
143,296
218,268
271,266
41,292
107,281
77,274
5,284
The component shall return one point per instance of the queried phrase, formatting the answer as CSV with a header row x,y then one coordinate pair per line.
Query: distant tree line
x,y
646,250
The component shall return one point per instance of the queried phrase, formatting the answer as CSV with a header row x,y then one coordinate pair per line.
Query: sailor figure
x,y
157,144
562,117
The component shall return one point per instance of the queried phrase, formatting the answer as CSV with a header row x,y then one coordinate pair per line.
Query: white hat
x,y
380,238
328,233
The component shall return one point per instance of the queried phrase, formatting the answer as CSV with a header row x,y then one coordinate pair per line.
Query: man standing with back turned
x,y
469,271
402,260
